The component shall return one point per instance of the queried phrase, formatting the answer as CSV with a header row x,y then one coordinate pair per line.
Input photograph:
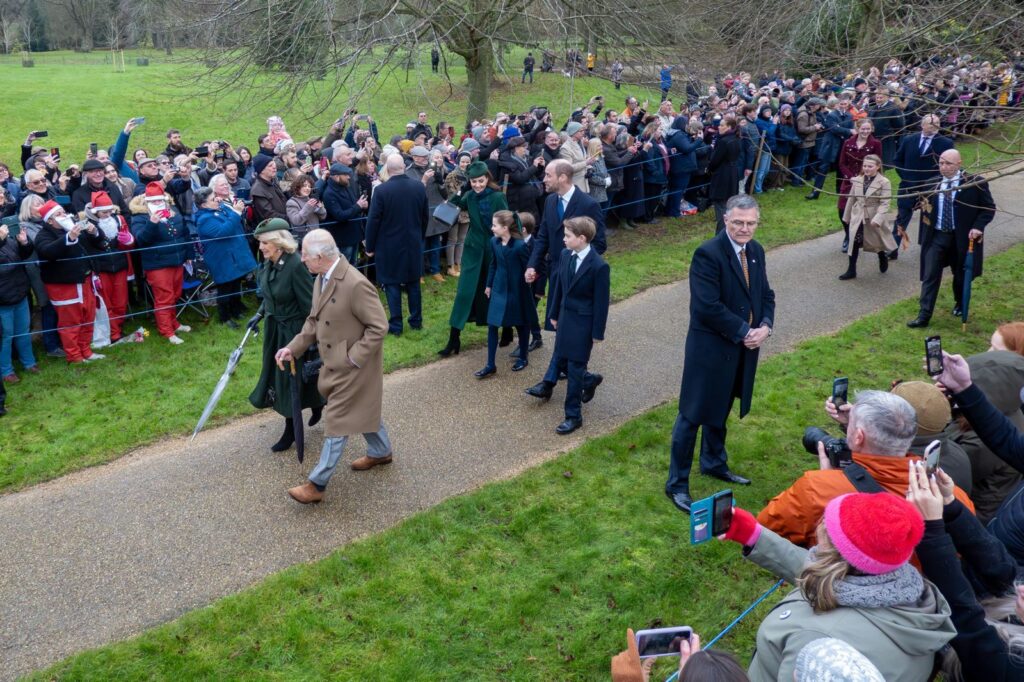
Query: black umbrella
x,y
968,278
296,390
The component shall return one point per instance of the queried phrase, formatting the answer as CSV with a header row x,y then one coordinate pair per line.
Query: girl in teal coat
x,y
511,299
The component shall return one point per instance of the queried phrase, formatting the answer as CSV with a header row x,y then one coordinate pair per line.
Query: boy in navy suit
x,y
580,291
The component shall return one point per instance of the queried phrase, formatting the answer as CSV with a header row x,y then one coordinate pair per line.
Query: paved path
x,y
102,554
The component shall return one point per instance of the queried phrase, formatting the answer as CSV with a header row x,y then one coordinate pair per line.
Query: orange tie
x,y
746,276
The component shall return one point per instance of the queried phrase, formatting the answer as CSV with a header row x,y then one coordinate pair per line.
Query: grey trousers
x,y
377,445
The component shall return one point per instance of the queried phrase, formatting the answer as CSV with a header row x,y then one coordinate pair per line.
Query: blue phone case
x,y
700,520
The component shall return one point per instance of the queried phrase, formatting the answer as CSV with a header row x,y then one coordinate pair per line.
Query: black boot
x,y
506,337
851,271
454,343
287,438
314,418
883,261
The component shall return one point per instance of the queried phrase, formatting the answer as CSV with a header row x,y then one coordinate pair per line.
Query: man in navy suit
x,y
564,201
580,290
956,211
917,164
732,311
394,232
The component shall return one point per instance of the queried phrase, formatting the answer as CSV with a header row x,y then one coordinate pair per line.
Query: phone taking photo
x,y
932,454
840,391
933,354
710,517
662,641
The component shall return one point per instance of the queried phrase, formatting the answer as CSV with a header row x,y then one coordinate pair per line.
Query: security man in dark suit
x,y
564,201
732,311
956,212
917,164
580,291
395,228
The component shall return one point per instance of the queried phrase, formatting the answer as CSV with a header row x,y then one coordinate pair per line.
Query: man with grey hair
x,y
881,428
732,312
348,323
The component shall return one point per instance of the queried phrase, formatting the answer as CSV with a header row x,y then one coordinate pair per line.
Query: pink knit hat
x,y
876,533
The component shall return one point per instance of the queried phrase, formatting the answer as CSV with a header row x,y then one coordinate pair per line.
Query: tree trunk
x,y
871,28
86,41
480,71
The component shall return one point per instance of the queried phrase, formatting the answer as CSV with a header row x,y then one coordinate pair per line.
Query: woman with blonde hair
x,y
287,299
856,585
867,214
598,178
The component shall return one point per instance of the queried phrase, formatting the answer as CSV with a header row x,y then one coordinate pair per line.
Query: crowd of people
x,y
522,205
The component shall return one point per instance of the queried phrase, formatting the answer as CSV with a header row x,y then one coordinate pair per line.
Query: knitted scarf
x,y
901,587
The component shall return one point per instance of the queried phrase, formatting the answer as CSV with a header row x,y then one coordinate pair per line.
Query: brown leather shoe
x,y
366,462
437,277
306,493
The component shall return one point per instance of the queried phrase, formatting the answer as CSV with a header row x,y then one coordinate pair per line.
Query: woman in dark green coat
x,y
287,289
481,204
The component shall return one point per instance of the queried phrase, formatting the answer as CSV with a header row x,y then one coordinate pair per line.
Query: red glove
x,y
744,528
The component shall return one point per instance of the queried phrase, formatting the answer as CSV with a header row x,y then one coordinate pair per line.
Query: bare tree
x,y
11,20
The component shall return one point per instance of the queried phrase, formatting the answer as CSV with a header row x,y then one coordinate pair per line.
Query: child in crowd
x,y
511,301
529,224
580,291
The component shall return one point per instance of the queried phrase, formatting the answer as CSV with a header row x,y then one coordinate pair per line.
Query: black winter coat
x,y
14,283
724,167
64,263
522,191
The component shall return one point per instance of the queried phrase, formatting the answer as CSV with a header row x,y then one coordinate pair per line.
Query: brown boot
x,y
366,462
437,277
306,493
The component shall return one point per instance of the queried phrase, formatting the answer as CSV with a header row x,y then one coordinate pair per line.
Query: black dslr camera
x,y
836,449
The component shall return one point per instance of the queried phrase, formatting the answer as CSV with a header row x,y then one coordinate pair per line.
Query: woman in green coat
x,y
481,204
287,289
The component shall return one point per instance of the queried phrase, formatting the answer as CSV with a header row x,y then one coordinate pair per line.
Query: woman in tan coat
x,y
867,214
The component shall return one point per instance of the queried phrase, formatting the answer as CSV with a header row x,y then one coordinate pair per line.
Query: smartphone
x,y
139,120
931,456
40,133
840,391
93,148
662,641
710,517
202,151
933,354
55,152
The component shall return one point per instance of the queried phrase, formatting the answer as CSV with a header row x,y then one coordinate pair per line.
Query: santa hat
x,y
875,533
154,192
101,202
47,209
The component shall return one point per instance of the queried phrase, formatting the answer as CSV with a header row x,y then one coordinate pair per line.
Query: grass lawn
x,y
536,578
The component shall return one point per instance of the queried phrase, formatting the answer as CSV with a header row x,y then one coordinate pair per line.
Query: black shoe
x,y
568,426
729,477
506,337
542,390
588,393
957,311
520,364
535,344
846,244
919,321
682,501
813,195
454,343
851,273
485,372
894,254
230,324
314,418
287,438
562,375
883,262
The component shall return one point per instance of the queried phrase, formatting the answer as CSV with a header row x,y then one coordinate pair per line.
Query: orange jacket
x,y
795,512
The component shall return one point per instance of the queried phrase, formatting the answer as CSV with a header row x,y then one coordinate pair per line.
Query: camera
x,y
836,449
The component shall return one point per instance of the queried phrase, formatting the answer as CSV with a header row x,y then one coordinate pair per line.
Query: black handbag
x,y
447,213
311,364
